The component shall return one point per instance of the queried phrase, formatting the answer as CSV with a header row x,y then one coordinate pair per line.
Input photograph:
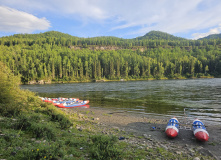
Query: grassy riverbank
x,y
31,129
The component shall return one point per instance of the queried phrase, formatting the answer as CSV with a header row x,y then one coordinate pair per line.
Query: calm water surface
x,y
187,99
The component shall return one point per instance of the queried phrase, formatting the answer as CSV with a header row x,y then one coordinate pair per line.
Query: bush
x,y
104,148
43,131
45,110
23,123
8,92
75,142
32,124
63,121
9,84
12,99
10,110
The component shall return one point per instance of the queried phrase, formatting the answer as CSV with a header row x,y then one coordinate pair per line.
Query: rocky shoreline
x,y
149,133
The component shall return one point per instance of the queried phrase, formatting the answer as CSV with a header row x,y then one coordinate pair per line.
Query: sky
x,y
191,19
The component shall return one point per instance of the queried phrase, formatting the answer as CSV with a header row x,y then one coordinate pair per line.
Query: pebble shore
x,y
150,132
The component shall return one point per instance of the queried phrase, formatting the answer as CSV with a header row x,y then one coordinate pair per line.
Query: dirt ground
x,y
155,127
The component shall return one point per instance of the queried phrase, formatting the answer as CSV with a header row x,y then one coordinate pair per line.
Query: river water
x,y
185,99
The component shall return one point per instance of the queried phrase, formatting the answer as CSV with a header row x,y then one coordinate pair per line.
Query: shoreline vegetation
x,y
32,129
116,80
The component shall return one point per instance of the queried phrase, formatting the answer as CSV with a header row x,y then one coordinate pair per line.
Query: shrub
x,y
63,121
32,124
75,142
104,148
9,84
13,100
23,123
8,92
43,131
45,111
10,110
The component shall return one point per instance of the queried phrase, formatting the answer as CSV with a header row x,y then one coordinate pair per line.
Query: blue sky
x,y
191,19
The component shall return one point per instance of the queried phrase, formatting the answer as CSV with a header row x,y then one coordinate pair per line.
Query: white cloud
x,y
211,31
12,20
77,8
171,16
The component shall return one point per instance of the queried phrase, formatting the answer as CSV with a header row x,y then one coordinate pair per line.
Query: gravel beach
x,y
153,131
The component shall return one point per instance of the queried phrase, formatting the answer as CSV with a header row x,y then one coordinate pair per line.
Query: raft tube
x,y
199,131
172,128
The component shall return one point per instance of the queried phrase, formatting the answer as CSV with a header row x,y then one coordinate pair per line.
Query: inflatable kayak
x,y
199,131
73,104
58,100
73,100
65,102
172,128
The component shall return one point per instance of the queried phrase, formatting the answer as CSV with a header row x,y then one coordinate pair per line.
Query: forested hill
x,y
157,35
212,36
61,57
49,34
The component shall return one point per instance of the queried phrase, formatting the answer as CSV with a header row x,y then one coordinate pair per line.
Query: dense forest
x,y
57,56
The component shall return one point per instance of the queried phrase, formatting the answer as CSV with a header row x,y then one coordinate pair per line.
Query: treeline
x,y
151,40
49,56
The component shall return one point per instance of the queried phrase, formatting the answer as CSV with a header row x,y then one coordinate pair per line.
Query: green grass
x,y
105,114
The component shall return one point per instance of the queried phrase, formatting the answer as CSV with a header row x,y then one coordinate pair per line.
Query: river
x,y
189,99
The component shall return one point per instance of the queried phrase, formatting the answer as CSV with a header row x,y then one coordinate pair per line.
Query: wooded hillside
x,y
61,57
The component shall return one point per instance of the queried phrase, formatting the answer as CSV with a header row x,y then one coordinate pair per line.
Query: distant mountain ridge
x,y
212,36
152,35
45,34
158,35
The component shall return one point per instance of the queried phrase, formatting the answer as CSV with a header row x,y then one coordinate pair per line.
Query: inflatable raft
x,y
65,102
72,104
199,130
172,128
